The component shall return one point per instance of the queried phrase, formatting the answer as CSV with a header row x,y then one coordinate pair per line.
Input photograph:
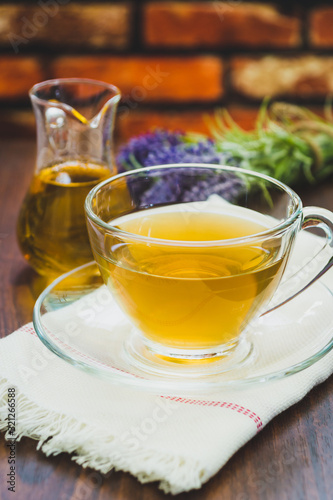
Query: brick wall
x,y
173,61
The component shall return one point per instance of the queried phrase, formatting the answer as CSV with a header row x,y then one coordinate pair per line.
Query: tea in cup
x,y
193,273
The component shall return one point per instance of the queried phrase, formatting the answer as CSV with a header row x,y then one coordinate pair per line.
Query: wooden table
x,y
292,458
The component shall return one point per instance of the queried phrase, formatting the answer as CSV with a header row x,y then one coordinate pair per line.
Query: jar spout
x,y
75,120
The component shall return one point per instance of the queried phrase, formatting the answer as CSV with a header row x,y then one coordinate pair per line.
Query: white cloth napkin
x,y
179,442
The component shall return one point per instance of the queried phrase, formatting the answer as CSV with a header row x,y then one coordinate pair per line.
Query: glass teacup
x,y
194,253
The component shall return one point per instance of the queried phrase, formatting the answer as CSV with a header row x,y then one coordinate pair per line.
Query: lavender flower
x,y
201,152
227,186
164,148
135,153
191,184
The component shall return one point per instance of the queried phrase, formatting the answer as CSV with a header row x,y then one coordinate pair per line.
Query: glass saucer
x,y
77,319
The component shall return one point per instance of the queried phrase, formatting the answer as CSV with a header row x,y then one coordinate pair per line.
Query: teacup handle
x,y
312,217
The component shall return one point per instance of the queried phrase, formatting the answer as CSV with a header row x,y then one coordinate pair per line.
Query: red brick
x,y
18,75
148,79
306,76
72,25
321,27
139,122
218,24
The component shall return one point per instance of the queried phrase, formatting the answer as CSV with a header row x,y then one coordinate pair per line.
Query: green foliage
x,y
289,143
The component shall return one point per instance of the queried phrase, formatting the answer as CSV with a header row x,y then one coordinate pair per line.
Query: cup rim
x,y
60,81
226,242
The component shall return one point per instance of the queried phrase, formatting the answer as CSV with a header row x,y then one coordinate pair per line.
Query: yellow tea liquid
x,y
185,297
51,229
